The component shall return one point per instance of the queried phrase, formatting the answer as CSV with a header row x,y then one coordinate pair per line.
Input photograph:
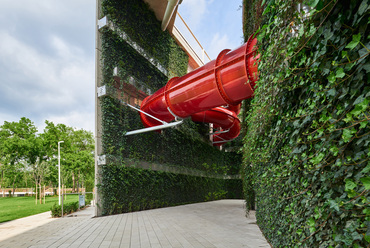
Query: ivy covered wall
x,y
147,57
307,148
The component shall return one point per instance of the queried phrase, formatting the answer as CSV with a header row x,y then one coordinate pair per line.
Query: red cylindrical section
x,y
220,117
225,81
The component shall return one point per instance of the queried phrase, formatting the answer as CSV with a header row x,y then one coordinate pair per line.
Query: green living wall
x,y
143,53
306,152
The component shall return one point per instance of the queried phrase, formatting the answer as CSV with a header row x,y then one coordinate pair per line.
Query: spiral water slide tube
x,y
210,94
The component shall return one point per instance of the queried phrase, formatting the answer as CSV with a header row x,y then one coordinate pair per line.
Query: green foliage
x,y
56,209
127,189
17,141
76,151
89,198
118,53
25,154
19,145
172,147
89,186
234,188
139,22
217,195
306,152
252,16
130,189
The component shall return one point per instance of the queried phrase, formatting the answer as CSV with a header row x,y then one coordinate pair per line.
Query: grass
x,y
12,208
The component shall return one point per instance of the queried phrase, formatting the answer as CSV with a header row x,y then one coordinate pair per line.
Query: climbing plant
x,y
306,152
181,147
128,189
252,16
136,51
138,22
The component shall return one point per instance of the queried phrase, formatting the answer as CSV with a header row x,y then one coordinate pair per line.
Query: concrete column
x,y
98,113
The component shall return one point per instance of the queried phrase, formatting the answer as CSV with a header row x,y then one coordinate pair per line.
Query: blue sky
x,y
216,24
47,54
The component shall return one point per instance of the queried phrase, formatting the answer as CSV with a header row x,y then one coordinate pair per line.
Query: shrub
x,y
89,198
56,210
217,195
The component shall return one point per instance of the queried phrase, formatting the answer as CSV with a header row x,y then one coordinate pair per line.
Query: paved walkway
x,y
220,224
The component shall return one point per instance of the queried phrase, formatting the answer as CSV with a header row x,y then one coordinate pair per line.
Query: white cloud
x,y
195,10
47,62
216,24
218,43
39,84
63,50
47,55
53,11
75,119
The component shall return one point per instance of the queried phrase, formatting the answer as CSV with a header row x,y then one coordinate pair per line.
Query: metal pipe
x,y
163,122
219,132
144,130
59,168
221,142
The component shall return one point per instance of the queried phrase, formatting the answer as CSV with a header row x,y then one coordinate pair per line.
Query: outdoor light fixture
x,y
59,170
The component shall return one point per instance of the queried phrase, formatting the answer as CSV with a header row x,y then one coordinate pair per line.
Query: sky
x,y
47,55
217,24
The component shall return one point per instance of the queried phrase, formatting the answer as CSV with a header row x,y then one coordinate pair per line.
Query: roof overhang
x,y
159,8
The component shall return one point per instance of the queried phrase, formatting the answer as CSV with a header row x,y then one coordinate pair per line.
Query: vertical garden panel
x,y
136,52
306,152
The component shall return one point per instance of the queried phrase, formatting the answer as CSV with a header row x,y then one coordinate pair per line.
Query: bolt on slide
x,y
210,94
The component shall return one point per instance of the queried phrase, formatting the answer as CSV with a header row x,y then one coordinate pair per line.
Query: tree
x,y
50,137
77,151
79,158
23,152
16,144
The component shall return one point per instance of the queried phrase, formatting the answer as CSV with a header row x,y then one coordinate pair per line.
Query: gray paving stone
x,y
217,224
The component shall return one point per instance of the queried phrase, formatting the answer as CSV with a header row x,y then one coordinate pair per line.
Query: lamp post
x,y
59,170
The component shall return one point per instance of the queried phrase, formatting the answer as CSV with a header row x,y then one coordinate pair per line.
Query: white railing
x,y
184,31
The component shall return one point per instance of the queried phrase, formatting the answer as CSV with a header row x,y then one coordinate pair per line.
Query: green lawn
x,y
12,208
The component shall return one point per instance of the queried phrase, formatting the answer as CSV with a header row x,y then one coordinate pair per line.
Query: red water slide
x,y
225,81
